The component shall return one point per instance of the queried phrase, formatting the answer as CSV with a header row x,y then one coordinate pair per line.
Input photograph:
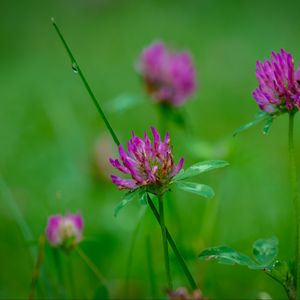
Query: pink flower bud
x,y
64,231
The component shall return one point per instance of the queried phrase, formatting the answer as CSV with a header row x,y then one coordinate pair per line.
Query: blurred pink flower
x,y
64,231
102,150
169,77
183,294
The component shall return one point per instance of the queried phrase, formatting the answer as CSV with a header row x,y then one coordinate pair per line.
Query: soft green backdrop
x,y
48,130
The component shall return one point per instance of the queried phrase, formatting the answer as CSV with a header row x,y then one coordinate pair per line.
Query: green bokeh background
x,y
49,127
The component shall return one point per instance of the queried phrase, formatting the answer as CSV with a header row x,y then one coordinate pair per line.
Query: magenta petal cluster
x,y
169,77
64,230
279,84
147,164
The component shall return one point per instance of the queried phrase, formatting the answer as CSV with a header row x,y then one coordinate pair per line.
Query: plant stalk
x,y
37,267
91,265
179,257
77,69
71,280
150,267
60,276
130,255
164,239
294,193
289,288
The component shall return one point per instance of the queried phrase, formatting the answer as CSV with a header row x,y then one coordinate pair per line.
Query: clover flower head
x,y
150,165
64,231
183,294
169,77
279,84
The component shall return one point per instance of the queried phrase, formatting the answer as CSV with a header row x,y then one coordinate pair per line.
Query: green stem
x,y
77,69
37,267
60,276
91,265
162,118
11,202
294,191
71,277
130,254
164,240
17,214
289,289
209,221
179,257
150,267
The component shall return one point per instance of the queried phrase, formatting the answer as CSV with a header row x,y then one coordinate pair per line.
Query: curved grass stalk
x,y
77,69
91,265
130,254
26,231
150,267
17,215
70,273
60,276
37,267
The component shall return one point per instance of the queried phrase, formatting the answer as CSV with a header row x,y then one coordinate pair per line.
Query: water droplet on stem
x,y
74,67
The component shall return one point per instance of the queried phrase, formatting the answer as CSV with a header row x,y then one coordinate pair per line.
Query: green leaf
x,y
200,168
196,188
260,117
128,197
269,122
227,255
266,251
143,197
124,102
178,175
268,125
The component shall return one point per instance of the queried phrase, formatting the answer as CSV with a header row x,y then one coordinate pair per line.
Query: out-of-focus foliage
x,y
49,127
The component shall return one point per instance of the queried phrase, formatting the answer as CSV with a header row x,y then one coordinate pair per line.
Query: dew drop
x,y
74,67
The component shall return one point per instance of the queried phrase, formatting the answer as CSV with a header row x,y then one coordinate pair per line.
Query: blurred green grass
x,y
48,127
